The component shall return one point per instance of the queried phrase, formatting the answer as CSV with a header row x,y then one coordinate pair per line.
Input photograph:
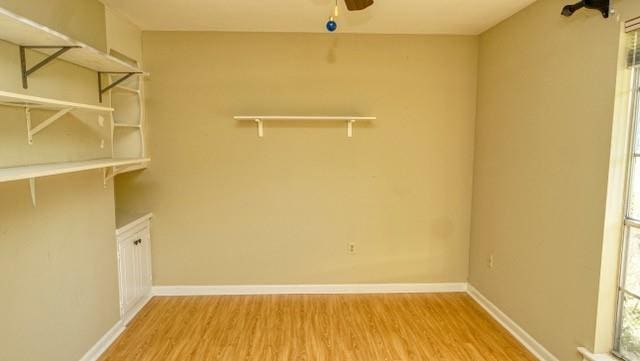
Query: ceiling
x,y
384,17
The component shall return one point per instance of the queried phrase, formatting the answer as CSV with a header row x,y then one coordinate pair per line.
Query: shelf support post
x,y
260,129
32,188
23,60
350,127
102,90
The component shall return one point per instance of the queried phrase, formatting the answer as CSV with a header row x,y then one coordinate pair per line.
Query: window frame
x,y
628,223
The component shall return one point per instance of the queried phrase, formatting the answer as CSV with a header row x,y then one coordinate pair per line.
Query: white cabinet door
x,y
134,265
128,259
145,262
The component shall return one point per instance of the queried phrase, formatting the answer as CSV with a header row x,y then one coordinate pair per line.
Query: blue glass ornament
x,y
332,25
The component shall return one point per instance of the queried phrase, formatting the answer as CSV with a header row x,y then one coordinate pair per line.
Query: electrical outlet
x,y
490,261
351,248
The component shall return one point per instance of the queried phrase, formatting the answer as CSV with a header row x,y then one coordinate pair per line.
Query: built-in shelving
x,y
260,119
29,35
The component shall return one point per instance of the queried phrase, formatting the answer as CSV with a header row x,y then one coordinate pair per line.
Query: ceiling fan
x,y
355,5
352,5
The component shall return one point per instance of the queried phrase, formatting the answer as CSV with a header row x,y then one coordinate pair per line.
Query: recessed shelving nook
x,y
260,119
29,35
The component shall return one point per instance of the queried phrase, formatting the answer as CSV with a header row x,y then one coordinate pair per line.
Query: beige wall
x,y
545,113
123,36
58,274
231,208
83,20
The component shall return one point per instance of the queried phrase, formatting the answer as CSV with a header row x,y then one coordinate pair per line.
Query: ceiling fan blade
x,y
354,5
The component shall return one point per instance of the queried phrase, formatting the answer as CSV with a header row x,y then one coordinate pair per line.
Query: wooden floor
x,y
308,327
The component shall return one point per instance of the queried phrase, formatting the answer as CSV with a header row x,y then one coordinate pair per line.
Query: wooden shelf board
x,y
49,169
22,100
22,31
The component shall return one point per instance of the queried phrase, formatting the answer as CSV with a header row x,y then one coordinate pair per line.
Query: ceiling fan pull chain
x,y
331,24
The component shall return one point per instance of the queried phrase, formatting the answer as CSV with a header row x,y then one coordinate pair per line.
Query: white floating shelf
x,y
260,119
22,31
45,170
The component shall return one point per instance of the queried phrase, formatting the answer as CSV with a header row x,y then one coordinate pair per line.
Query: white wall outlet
x,y
351,248
490,262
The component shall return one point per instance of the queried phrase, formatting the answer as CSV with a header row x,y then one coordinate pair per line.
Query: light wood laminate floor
x,y
316,327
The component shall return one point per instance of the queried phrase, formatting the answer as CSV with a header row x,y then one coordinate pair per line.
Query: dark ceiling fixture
x,y
354,5
600,5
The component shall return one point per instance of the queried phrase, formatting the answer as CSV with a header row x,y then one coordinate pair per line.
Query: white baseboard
x,y
309,289
127,317
521,335
103,344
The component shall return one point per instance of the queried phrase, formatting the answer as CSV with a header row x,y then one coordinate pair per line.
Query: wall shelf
x,y
260,119
31,172
28,34
29,102
22,100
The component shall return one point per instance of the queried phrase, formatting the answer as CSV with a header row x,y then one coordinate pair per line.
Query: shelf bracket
x,y
350,127
47,122
23,60
260,128
106,175
32,188
101,90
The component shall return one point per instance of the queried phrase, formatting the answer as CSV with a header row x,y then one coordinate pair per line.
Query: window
x,y
627,341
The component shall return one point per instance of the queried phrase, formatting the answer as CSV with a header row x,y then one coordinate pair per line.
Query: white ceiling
x,y
385,16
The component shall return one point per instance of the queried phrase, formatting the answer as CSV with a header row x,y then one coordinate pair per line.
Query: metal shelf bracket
x,y
23,60
101,90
